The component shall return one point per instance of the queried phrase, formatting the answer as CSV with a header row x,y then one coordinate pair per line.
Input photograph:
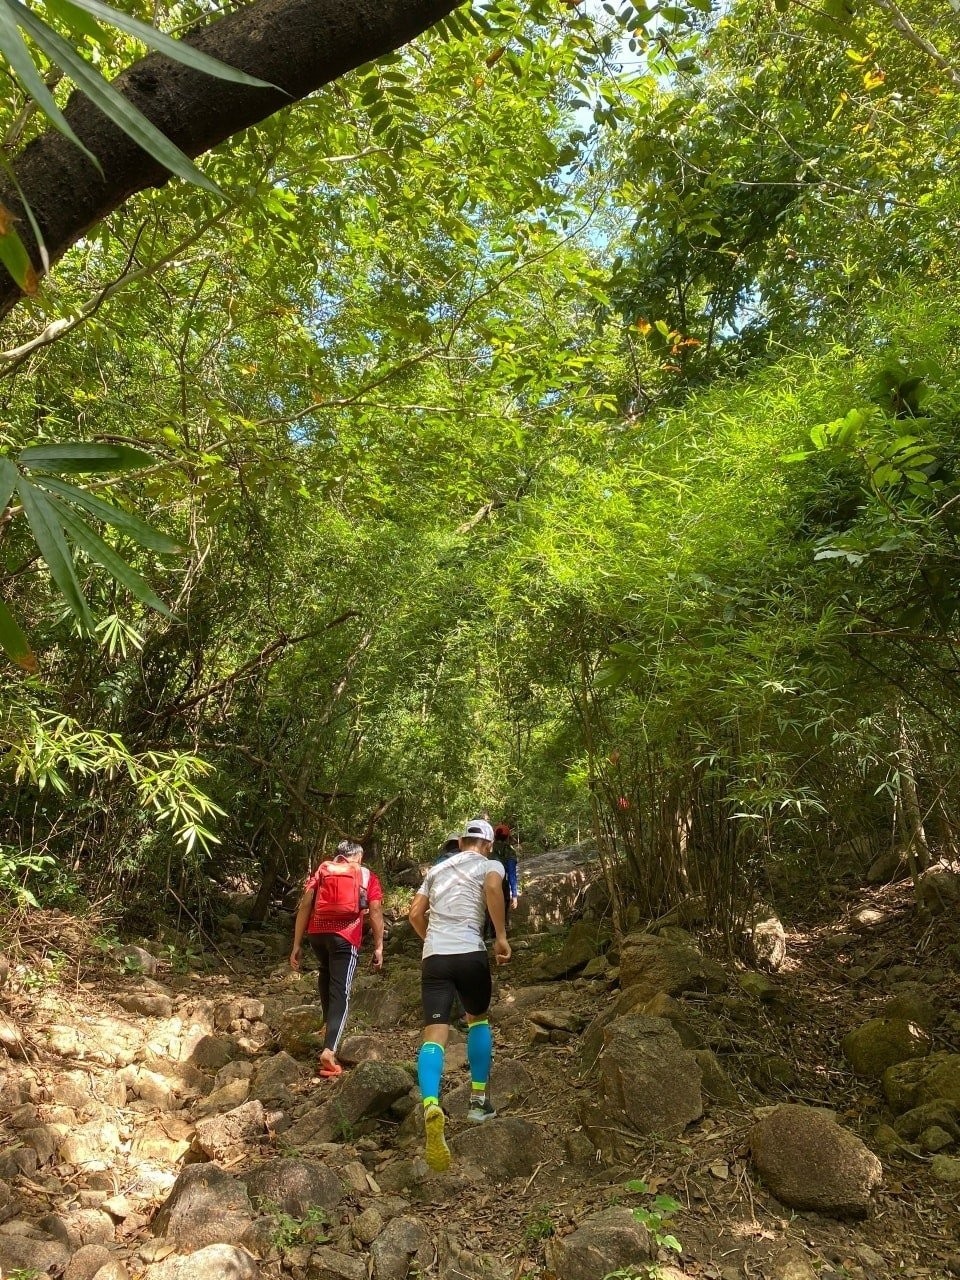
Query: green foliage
x,y
289,1232
539,1225
540,436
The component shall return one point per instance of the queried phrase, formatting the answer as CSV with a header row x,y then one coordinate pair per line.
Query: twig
x,y
529,1181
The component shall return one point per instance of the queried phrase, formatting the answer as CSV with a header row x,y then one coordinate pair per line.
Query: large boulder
x,y
387,1000
220,1136
942,1081
273,1076
293,1186
612,1240
650,963
941,1114
456,1261
765,940
365,1093
553,886
510,1084
882,1043
31,1255
645,1083
938,889
205,1206
809,1162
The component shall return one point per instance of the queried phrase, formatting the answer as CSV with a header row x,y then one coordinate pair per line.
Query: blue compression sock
x,y
480,1054
430,1071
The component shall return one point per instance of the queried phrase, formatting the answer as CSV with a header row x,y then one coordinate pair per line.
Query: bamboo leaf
x,y
112,103
104,554
14,256
53,547
163,43
81,456
125,521
9,475
74,18
14,49
14,643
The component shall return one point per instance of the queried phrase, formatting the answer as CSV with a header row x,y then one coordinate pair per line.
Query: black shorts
x,y
444,977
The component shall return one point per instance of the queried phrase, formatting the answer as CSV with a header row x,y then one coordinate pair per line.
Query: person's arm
x,y
376,924
417,915
493,891
299,927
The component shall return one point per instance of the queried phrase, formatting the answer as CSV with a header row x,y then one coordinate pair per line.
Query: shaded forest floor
x,y
98,1103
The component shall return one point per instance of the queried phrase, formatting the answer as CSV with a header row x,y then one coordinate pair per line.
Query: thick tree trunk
x,y
298,45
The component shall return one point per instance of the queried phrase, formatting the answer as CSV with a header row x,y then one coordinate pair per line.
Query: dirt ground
x,y
837,973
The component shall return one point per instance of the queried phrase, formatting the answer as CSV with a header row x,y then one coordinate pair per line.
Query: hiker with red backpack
x,y
335,900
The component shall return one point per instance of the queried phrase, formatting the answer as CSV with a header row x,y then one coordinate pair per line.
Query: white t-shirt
x,y
458,903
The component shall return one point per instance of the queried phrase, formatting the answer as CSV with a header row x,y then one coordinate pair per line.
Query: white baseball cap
x,y
478,829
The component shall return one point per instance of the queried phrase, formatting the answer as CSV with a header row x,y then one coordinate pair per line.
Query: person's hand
x,y
513,904
377,961
502,951
295,959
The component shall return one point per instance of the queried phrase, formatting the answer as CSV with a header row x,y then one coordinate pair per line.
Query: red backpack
x,y
340,894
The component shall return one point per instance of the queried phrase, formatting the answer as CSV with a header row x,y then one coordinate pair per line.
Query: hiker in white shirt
x,y
448,911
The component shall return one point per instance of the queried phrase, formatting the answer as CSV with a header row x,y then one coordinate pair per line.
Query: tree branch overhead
x,y
297,45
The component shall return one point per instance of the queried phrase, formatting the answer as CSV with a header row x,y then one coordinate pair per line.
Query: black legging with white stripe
x,y
338,964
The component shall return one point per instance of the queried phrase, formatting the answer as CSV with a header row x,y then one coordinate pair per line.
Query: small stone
x,y
136,960
946,1168
935,1139
146,1004
758,986
367,1225
602,1243
404,1242
87,1261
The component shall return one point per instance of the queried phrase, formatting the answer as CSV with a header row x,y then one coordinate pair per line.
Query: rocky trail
x,y
660,1113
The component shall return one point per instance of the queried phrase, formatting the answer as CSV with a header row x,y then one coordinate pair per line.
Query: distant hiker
x,y
335,900
505,851
450,846
448,913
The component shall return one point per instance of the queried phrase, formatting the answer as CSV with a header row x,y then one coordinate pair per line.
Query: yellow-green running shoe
x,y
437,1152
